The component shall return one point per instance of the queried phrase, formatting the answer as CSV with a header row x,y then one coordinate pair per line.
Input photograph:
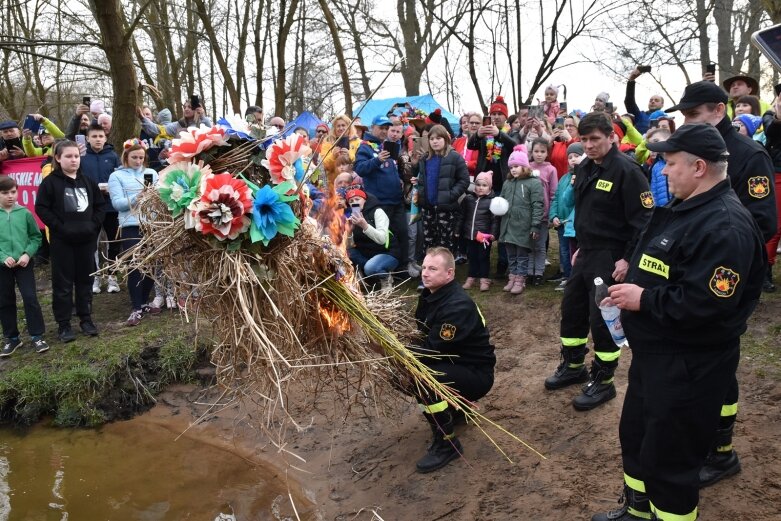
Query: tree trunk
x,y
339,51
286,16
227,77
773,9
722,14
702,13
110,20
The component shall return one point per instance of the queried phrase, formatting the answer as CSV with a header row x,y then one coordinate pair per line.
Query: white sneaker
x,y
170,302
96,285
113,286
158,302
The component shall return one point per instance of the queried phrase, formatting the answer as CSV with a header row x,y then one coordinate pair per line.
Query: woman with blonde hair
x,y
342,140
442,180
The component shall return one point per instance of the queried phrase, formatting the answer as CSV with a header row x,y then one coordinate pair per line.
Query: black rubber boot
x,y
445,447
596,391
565,375
634,505
720,464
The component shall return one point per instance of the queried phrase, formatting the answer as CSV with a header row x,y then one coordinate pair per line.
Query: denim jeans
x,y
564,254
518,259
380,264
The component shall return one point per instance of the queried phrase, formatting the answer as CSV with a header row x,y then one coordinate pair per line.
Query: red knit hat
x,y
499,106
355,192
435,117
620,129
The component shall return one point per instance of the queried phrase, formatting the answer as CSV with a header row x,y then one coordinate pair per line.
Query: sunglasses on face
x,y
322,132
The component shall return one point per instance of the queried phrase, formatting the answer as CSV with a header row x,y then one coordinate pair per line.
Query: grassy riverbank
x,y
96,379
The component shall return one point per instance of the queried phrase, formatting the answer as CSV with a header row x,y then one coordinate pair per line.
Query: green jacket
x,y
31,150
525,213
19,233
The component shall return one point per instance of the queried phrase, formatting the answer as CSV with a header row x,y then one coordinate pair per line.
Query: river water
x,y
130,471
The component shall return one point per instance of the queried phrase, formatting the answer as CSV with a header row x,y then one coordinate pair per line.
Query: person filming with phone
x,y
10,141
655,102
376,250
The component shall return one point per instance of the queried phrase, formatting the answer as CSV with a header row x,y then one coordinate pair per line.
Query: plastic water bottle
x,y
610,313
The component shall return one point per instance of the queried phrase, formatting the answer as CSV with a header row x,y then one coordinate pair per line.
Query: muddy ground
x,y
364,468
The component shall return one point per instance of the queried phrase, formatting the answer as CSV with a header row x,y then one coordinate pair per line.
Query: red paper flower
x,y
193,141
281,156
223,208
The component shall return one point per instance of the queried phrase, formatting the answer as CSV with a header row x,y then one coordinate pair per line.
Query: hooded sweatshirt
x,y
98,166
19,233
73,209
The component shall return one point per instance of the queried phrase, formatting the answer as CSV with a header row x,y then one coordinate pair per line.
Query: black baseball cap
x,y
698,93
701,140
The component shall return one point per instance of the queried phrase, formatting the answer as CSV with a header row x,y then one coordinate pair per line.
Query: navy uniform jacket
x,y
750,171
453,325
612,203
701,262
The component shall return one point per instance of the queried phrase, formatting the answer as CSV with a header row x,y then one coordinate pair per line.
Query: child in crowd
x,y
98,163
479,227
125,185
520,227
561,209
550,180
551,105
71,205
657,180
20,238
750,126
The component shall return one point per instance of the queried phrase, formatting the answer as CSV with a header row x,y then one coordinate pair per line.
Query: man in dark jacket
x,y
98,163
750,172
456,346
612,204
381,178
693,281
772,123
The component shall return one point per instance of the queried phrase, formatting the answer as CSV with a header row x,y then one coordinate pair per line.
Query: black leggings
x,y
138,285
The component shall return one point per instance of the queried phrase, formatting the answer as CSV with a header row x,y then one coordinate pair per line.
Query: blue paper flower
x,y
271,213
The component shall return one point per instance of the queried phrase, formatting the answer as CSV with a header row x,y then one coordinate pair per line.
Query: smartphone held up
x,y
768,41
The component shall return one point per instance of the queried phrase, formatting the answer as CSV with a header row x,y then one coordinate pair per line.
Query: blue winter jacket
x,y
381,179
124,185
659,187
98,166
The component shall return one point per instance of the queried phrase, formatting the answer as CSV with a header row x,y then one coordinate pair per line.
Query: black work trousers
x,y
669,420
579,311
399,223
24,278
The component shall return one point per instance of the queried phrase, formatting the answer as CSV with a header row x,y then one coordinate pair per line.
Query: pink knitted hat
x,y
486,177
519,157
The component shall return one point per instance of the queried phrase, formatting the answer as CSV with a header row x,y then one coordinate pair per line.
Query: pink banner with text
x,y
27,173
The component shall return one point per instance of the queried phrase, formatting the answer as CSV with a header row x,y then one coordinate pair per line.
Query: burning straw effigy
x,y
227,224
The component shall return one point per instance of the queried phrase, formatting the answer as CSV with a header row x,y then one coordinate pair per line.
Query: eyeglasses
x,y
321,132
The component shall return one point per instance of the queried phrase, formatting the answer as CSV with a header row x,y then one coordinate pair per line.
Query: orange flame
x,y
335,321
331,218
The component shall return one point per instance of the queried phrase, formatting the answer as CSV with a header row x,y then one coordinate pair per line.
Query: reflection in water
x,y
130,471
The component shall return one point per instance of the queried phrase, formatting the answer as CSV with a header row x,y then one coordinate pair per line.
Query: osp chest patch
x,y
447,332
605,186
759,186
654,265
647,199
723,282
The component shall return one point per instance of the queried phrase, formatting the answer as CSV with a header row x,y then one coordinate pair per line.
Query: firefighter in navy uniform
x,y
693,281
612,204
750,172
456,346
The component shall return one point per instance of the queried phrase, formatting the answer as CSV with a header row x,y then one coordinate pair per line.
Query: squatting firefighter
x,y
456,346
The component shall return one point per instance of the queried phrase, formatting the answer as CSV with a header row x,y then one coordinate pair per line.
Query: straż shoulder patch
x,y
723,282
647,199
447,332
759,186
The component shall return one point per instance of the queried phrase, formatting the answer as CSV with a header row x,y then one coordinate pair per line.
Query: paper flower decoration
x,y
271,214
180,186
223,207
282,155
193,141
235,125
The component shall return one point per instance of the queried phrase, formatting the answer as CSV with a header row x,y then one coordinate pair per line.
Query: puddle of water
x,y
131,471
